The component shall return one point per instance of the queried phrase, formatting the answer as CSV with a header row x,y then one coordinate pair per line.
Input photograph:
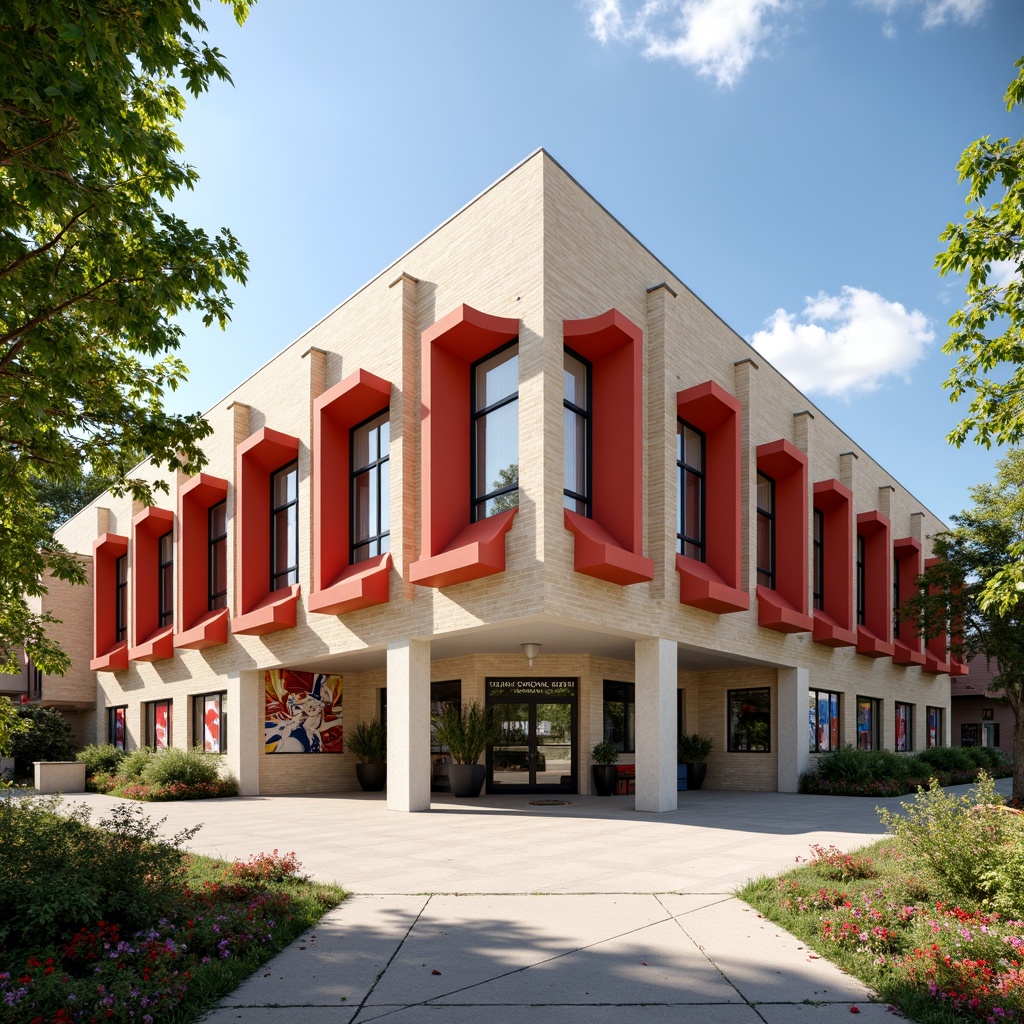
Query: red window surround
x,y
936,655
203,628
339,586
714,584
262,610
456,550
609,545
873,637
833,624
108,654
785,608
906,553
152,643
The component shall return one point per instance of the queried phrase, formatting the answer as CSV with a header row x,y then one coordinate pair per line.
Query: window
x,y
874,585
117,731
495,436
896,597
34,683
823,719
904,726
158,724
765,530
819,560
217,575
165,578
576,418
371,488
690,453
970,733
209,724
869,718
906,569
934,719
121,627
284,527
750,720
620,715
860,580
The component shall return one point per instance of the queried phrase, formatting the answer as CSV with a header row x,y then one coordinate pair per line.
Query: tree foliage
x,y
974,591
94,268
988,247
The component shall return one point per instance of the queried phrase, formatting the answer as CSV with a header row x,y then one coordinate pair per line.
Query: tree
x,y
94,268
66,497
988,247
955,593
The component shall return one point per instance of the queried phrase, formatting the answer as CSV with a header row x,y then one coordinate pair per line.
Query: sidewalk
x,y
500,910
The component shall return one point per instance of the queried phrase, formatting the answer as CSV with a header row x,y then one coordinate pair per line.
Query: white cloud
x,y
934,13
844,343
1002,272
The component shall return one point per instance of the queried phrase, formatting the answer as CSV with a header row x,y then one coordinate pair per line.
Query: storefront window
x,y
934,738
904,726
750,719
116,730
158,724
823,719
209,722
620,715
869,714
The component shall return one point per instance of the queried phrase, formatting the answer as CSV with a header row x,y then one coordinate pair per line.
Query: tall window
x,y
284,527
860,580
218,576
158,724
371,488
904,726
121,619
690,450
869,720
750,720
895,597
576,476
823,719
934,720
165,578
766,531
495,437
819,560
117,732
620,715
209,722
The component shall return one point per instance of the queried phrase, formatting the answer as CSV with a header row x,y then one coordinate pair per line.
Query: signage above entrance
x,y
510,689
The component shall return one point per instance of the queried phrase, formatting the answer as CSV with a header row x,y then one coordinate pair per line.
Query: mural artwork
x,y
303,713
211,725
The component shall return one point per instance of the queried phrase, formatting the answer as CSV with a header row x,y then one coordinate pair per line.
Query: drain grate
x,y
550,803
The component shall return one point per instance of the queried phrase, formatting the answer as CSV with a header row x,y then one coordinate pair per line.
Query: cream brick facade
x,y
537,248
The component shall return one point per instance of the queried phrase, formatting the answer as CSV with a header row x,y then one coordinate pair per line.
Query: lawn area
x,y
107,924
931,918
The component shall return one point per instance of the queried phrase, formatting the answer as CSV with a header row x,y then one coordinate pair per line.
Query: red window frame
x,y
152,642
833,623
109,654
937,656
874,635
906,554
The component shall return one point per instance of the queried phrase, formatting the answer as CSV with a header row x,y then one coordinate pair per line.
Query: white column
x,y
244,728
792,728
409,725
655,725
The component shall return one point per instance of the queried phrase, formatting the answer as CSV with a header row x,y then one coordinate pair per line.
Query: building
x,y
526,466
980,715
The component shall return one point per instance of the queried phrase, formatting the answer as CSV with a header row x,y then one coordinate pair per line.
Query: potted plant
x,y
603,771
467,732
369,742
693,751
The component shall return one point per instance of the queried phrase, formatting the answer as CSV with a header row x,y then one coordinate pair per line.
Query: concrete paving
x,y
499,909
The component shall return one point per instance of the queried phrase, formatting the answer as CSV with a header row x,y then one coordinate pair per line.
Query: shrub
x,y
134,763
104,758
693,748
842,867
265,867
173,765
844,765
369,741
49,739
948,759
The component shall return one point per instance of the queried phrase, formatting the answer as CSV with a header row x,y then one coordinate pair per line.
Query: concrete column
x,y
409,725
792,729
245,720
655,725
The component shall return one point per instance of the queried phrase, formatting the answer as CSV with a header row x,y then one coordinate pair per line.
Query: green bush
x,y
104,758
948,759
135,762
173,765
49,739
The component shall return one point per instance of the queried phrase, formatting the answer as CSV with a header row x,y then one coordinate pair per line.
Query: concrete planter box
x,y
60,776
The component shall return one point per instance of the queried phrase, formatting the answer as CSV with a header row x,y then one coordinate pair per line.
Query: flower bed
x,y
118,785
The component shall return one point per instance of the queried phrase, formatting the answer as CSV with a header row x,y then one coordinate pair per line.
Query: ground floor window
x,y
869,720
823,719
934,738
209,722
904,726
750,720
620,715
970,734
158,724
117,731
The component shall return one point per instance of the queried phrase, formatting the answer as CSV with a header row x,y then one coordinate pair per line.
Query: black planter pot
x,y
605,776
466,779
695,774
372,777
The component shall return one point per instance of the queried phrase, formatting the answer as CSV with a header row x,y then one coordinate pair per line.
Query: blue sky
x,y
793,161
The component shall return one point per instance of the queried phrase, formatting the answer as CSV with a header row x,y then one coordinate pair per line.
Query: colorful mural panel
x,y
303,713
211,724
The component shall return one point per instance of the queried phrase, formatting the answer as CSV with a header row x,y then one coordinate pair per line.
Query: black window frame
x,y
165,569
818,561
217,544
277,572
199,720
620,694
910,727
683,471
814,696
479,504
928,710
861,580
149,708
738,695
121,599
876,722
33,681
382,538
768,573
111,731
586,416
